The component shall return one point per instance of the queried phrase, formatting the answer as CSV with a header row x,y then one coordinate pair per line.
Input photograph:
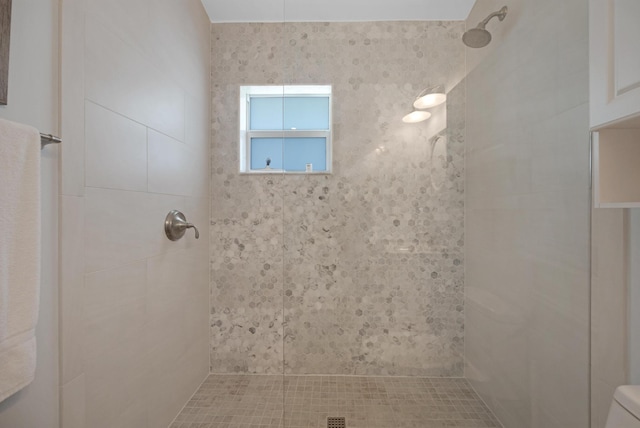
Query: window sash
x,y
283,97
288,134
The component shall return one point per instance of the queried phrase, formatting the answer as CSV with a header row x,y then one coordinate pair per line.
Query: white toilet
x,y
625,408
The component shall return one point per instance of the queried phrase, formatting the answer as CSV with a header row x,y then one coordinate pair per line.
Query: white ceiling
x,y
336,10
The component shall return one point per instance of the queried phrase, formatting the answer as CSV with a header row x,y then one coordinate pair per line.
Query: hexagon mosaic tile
x,y
356,272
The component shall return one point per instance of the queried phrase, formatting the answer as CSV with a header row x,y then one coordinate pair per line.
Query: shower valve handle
x,y
191,226
175,225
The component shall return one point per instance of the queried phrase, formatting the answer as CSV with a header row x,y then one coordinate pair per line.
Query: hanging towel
x,y
19,254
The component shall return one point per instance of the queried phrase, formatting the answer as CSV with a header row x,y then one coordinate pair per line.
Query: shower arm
x,y
501,14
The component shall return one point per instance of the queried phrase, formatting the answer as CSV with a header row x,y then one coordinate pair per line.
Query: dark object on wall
x,y
5,35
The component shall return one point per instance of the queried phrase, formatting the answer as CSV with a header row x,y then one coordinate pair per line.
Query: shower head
x,y
476,38
479,37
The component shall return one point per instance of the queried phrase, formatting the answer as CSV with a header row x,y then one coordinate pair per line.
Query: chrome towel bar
x,y
49,139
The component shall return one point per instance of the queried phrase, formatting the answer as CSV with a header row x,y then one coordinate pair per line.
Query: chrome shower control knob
x,y
175,226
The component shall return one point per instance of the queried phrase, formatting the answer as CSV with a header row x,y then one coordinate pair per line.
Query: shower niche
x,y
616,156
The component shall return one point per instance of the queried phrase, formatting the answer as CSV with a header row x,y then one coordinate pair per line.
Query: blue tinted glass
x,y
306,113
263,148
266,113
298,152
302,113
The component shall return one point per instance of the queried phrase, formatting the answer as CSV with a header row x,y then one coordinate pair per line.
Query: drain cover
x,y
336,423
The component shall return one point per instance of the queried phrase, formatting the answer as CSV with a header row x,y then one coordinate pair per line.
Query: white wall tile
x,y
198,121
138,362
161,391
125,226
119,78
601,402
72,100
134,416
130,20
71,287
177,274
197,212
183,53
73,403
116,150
115,381
117,228
115,344
609,283
527,212
198,136
114,305
174,168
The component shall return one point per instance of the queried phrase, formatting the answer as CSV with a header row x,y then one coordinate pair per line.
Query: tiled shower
x,y
437,277
350,284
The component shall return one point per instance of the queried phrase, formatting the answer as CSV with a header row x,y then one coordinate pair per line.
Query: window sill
x,y
281,172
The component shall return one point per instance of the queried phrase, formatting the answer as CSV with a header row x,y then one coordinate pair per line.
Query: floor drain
x,y
336,423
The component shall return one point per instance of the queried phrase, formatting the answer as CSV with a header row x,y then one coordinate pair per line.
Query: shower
x,y
479,37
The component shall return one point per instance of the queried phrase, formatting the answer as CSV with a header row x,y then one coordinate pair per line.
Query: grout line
x,y
187,402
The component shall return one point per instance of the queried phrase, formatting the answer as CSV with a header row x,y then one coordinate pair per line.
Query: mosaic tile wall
x,y
357,272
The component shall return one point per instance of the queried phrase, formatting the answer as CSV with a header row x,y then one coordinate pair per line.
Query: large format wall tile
x,y
72,403
72,262
115,349
134,304
129,20
72,37
122,80
174,168
125,226
610,362
116,150
527,216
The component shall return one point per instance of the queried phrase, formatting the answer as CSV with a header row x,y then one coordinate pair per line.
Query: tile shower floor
x,y
254,401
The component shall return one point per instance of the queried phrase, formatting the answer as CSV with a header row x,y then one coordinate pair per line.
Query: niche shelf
x,y
616,166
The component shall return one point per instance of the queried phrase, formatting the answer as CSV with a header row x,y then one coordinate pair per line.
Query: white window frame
x,y
248,92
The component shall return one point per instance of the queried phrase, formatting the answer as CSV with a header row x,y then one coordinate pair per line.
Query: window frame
x,y
288,91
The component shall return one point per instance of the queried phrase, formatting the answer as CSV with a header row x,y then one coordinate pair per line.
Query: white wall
x,y
33,99
527,215
135,118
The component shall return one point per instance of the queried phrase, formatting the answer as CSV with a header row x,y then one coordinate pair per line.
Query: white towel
x,y
19,254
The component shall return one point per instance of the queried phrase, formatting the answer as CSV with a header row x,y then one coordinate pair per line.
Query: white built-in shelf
x,y
616,168
614,37
614,58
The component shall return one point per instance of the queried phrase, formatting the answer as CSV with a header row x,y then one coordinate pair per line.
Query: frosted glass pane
x,y
301,113
306,113
263,148
298,152
266,113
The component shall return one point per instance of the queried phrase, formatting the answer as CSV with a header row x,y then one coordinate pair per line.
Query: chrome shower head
x,y
479,37
476,38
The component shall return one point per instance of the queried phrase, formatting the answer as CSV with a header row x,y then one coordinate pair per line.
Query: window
x,y
285,129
